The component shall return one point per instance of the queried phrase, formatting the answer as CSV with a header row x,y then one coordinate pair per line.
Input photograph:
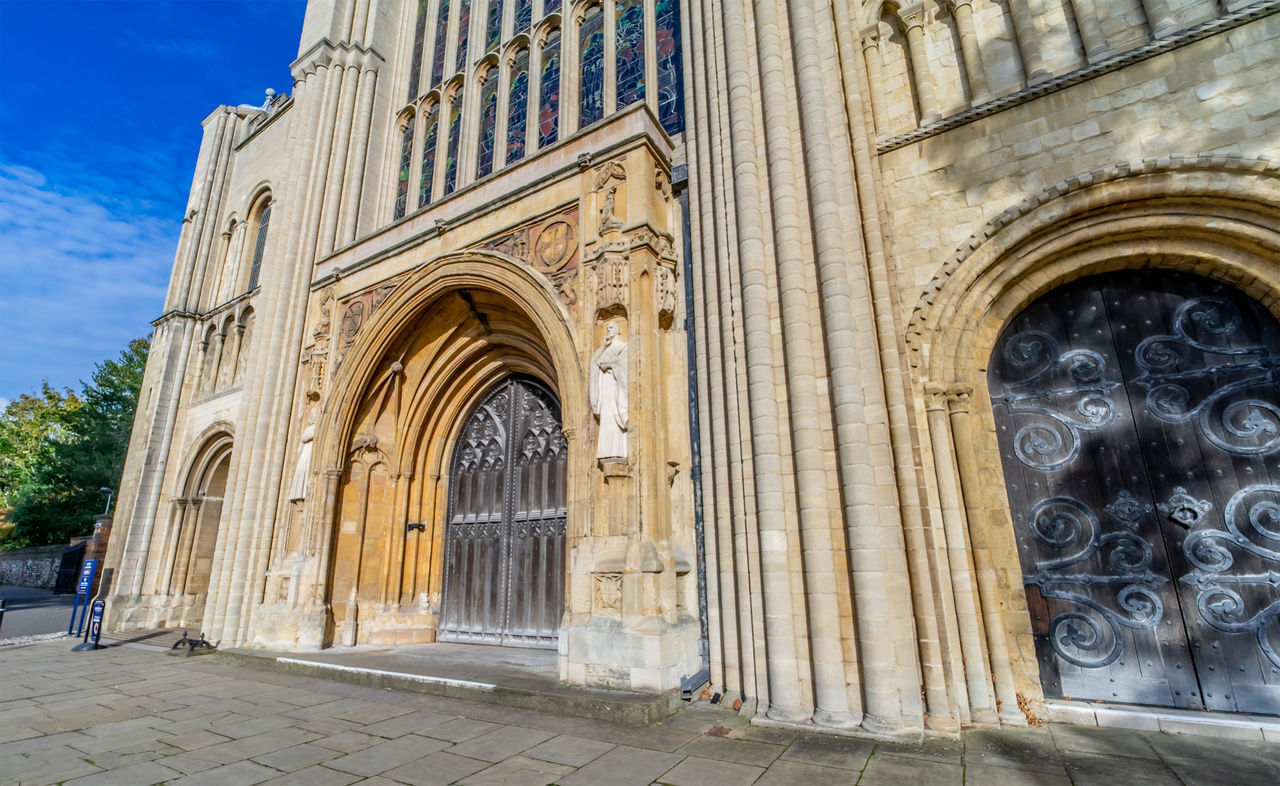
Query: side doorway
x,y
1138,416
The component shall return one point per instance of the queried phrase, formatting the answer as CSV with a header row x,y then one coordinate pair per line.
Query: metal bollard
x,y
3,603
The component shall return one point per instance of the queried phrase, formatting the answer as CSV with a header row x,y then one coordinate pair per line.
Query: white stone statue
x,y
609,394
298,486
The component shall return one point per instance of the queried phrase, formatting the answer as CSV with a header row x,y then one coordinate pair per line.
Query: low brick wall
x,y
33,567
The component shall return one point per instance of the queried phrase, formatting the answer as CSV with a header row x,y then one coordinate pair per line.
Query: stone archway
x,y
188,570
1138,416
386,557
1194,216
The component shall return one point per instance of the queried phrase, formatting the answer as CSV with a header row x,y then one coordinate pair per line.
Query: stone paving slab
x,y
89,718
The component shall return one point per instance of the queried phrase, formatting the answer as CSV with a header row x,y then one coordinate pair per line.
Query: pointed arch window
x,y
523,15
549,91
464,35
488,121
419,35
670,75
591,61
442,38
629,46
406,160
260,243
518,106
427,179
493,27
451,154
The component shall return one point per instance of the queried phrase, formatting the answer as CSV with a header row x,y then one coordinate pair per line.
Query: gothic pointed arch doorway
x,y
188,571
1138,418
505,526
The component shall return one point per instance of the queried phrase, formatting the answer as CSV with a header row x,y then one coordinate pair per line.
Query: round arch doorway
x,y
1138,417
505,527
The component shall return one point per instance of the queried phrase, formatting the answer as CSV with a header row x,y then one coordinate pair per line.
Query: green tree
x,y
63,493
29,427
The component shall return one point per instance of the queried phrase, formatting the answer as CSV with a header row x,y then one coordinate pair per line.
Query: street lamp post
x,y
107,489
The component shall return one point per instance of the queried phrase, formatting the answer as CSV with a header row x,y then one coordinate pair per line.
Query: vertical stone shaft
x,y
338,165
785,700
903,457
786,174
913,21
1163,22
871,59
1095,44
1024,29
354,182
991,598
970,50
741,490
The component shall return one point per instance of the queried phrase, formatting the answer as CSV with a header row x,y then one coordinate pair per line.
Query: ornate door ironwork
x,y
505,533
1138,416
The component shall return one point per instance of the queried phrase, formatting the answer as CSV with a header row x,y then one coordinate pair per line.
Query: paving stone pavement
x,y
131,715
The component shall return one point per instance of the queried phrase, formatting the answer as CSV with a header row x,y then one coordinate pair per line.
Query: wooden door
x,y
1139,423
505,534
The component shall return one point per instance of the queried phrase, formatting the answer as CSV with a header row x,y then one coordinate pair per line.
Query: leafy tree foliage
x,y
58,493
29,427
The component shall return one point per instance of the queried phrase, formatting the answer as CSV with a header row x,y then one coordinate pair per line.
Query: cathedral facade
x,y
886,365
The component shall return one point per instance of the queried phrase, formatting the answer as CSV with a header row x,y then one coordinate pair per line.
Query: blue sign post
x,y
83,588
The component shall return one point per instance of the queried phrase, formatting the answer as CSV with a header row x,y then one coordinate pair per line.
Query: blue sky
x,y
100,110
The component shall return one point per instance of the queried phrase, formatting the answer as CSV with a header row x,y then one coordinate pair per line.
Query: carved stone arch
x,y
402,120
486,67
1188,206
493,316
578,11
209,444
1209,217
551,23
512,48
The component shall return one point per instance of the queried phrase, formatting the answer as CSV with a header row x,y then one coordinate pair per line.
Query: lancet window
x,y
262,221
619,54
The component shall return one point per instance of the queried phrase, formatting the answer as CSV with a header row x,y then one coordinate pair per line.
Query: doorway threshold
x,y
510,676
1236,726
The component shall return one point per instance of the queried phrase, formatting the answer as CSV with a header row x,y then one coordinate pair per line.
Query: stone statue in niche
x,y
609,394
298,486
608,221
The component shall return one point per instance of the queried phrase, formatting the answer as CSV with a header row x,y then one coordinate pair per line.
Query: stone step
x,y
545,695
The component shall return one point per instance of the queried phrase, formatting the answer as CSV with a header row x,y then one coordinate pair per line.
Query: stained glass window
x,y
419,33
630,51
464,33
259,247
406,159
451,157
550,7
524,15
549,91
518,106
488,119
493,28
591,88
670,77
442,33
427,179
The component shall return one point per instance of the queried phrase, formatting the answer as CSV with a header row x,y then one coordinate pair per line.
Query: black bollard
x,y
3,602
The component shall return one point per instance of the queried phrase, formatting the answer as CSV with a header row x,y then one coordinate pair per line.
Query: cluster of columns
x,y
913,18
812,612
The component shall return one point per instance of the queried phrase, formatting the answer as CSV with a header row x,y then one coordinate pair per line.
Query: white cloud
x,y
80,279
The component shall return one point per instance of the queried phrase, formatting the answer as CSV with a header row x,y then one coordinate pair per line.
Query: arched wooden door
x,y
1138,416
505,534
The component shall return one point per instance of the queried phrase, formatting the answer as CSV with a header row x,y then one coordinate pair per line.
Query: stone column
x,y
979,91
1163,22
871,57
1095,43
785,697
991,598
1024,29
353,183
176,522
913,21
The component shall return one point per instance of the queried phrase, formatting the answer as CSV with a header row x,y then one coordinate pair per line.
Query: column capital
x,y
959,399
